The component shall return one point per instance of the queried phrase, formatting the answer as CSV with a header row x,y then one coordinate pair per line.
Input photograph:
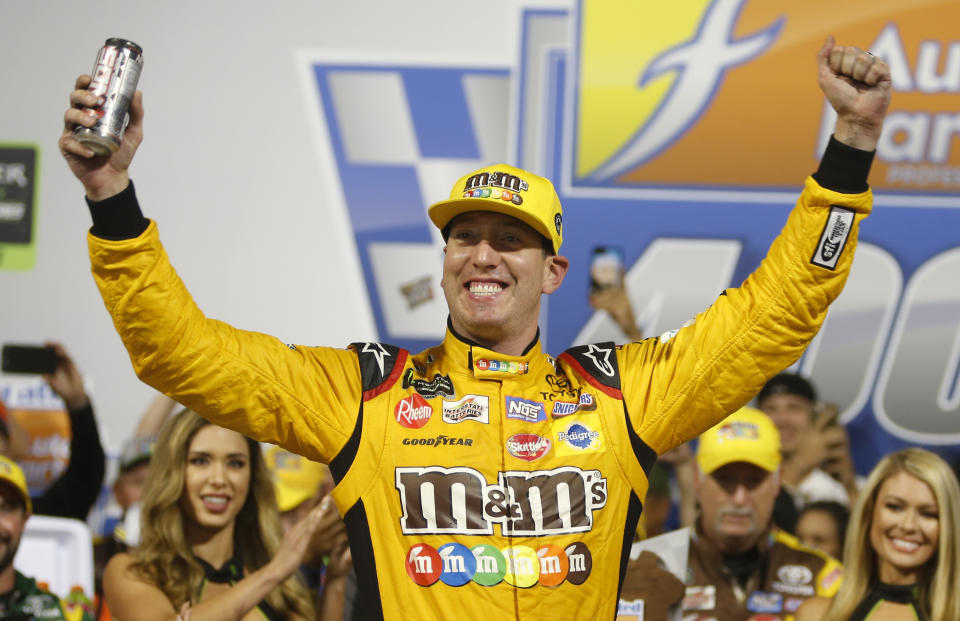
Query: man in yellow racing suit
x,y
482,478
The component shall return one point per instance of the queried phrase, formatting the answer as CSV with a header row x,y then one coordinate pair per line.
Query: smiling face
x,y
905,528
494,272
216,478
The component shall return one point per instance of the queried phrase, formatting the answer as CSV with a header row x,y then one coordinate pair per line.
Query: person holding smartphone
x,y
75,491
607,290
483,478
817,465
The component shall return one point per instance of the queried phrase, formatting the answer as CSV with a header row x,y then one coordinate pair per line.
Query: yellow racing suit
x,y
477,485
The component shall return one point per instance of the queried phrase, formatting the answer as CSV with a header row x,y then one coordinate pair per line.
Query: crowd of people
x,y
482,478
194,508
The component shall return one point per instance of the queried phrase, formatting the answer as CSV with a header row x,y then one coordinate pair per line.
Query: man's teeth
x,y
485,288
905,546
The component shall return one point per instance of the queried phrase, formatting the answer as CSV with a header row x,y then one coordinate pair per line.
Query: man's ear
x,y
554,270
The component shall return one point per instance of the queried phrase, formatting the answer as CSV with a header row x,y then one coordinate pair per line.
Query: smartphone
x,y
28,359
606,268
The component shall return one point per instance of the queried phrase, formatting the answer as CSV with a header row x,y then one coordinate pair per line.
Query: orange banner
x,y
723,93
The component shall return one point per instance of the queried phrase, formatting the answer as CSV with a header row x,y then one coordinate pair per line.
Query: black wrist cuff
x,y
844,168
118,217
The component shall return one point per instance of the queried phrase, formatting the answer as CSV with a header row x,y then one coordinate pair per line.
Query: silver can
x,y
115,78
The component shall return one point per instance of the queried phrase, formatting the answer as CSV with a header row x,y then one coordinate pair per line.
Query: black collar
x,y
472,343
232,570
899,593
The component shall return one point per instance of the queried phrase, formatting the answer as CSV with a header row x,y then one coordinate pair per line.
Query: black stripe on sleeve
x,y
641,450
340,464
634,509
844,168
118,217
367,604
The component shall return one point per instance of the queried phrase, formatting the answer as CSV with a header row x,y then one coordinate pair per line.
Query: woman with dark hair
x,y
210,536
902,555
822,525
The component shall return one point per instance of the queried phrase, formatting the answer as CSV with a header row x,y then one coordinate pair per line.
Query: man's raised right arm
x,y
303,398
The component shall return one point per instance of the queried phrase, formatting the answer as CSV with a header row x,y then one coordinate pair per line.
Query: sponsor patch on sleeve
x,y
833,238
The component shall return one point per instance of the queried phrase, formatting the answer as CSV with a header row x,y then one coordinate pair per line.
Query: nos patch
x,y
522,409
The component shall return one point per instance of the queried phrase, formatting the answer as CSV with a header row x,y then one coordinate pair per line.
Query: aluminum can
x,y
115,78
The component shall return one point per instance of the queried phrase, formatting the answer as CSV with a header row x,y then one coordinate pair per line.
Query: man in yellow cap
x,y
739,564
482,478
20,596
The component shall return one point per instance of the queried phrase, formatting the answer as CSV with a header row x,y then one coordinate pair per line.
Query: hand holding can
x,y
115,78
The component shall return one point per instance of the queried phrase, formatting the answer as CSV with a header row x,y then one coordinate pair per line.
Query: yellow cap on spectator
x,y
13,474
296,478
746,435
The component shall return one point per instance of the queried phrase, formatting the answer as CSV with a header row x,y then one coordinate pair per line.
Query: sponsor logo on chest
x,y
577,435
700,598
565,408
440,385
413,412
470,407
794,580
528,446
522,409
760,601
630,610
454,564
440,440
511,367
438,500
559,387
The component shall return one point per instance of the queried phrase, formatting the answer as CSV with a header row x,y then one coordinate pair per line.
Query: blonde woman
x,y
210,541
902,553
